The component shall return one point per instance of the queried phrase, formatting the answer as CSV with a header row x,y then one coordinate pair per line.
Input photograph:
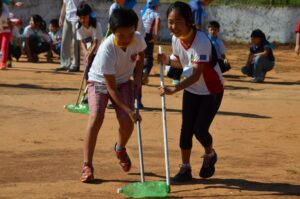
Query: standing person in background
x,y
151,21
15,46
68,20
5,33
198,11
297,30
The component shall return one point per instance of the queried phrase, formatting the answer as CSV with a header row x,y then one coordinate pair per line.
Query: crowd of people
x,y
118,63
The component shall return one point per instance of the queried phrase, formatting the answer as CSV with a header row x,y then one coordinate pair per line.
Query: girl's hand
x,y
226,61
167,90
162,58
134,116
61,22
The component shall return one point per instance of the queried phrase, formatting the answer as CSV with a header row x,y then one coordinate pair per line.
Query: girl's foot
x,y
208,166
184,174
124,159
3,66
87,173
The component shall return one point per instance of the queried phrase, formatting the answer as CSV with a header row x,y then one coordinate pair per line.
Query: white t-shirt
x,y
71,8
211,80
55,37
149,20
140,27
28,31
91,32
112,60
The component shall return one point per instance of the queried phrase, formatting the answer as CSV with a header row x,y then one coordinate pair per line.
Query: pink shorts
x,y
98,98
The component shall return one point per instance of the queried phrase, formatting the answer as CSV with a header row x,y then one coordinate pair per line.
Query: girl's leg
x,y
261,66
208,109
189,113
6,36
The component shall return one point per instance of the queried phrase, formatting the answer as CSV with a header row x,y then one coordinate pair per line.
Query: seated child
x,y
297,46
89,34
36,40
213,30
119,58
261,58
55,36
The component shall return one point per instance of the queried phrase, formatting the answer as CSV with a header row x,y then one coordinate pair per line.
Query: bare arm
x,y
265,53
250,59
167,61
27,49
156,29
197,71
62,15
138,72
111,85
297,47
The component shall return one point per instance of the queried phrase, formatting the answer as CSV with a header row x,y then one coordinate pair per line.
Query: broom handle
x,y
79,93
164,119
139,134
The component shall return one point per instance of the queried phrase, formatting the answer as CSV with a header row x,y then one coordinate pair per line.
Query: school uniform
x,y
112,60
88,35
5,35
201,100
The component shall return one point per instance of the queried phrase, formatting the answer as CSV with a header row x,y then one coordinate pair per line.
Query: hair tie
x,y
93,14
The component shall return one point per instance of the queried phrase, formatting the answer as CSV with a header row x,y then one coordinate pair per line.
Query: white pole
x,y
164,119
138,125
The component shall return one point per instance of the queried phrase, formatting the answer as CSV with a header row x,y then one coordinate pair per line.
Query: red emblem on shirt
x,y
134,57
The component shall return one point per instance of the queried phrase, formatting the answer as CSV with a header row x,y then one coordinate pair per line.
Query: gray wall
x,y
236,23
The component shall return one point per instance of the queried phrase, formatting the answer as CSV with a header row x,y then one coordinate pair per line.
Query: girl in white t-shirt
x,y
89,34
36,39
119,57
202,85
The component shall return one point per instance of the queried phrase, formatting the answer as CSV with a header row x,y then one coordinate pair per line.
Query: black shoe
x,y
62,68
73,69
140,106
208,166
110,106
184,175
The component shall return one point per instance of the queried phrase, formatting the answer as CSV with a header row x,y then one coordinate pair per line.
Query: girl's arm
x,y
265,53
111,86
156,29
93,48
138,72
83,45
197,71
297,47
167,61
249,60
62,15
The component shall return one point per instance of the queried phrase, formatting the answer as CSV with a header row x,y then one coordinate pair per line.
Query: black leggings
x,y
198,112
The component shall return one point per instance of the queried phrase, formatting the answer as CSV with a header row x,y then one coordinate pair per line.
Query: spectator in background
x,y
198,11
261,58
297,30
55,35
68,20
36,39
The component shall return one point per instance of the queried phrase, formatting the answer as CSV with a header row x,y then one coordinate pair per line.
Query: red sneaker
x,y
87,173
124,159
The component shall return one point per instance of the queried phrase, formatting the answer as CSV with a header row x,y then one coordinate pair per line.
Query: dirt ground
x,y
256,135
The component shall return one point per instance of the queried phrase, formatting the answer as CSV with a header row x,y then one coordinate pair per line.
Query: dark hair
x,y
85,10
123,17
37,19
214,24
183,9
258,34
54,22
1,7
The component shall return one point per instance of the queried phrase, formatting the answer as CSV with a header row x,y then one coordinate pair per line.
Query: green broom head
x,y
79,108
145,189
